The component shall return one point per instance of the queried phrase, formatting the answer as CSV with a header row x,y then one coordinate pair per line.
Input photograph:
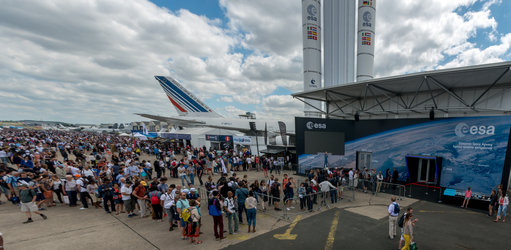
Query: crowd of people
x,y
40,169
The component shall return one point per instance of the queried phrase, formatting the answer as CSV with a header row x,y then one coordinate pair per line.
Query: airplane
x,y
194,113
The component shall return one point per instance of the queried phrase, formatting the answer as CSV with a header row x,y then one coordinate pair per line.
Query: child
x,y
468,194
27,198
503,202
193,225
301,195
117,198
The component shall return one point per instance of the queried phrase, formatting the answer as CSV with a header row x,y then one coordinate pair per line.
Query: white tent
x,y
140,136
124,134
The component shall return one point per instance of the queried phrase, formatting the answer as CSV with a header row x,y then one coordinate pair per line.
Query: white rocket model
x,y
339,29
311,21
365,40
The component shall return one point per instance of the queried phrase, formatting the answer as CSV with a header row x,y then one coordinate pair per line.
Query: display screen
x,y
320,142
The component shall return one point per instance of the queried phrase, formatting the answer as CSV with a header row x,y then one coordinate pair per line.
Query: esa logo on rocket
x,y
311,9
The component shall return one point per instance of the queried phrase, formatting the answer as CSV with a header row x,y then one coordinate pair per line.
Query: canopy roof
x,y
474,90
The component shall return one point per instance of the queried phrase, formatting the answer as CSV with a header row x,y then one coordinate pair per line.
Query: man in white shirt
x,y
86,172
351,175
167,202
230,212
181,170
126,191
81,185
393,211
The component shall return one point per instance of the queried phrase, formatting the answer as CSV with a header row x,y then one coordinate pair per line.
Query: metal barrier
x,y
376,188
316,201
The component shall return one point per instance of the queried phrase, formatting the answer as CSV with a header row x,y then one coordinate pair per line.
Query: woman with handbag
x,y
408,231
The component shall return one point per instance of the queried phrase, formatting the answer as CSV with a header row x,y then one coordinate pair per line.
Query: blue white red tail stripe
x,y
184,101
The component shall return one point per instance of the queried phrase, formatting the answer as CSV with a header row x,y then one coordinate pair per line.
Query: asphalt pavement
x,y
439,227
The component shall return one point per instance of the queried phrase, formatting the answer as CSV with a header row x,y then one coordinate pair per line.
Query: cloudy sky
x,y
92,61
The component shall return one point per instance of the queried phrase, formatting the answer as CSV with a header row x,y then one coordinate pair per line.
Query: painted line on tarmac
x,y
447,212
141,236
331,234
287,235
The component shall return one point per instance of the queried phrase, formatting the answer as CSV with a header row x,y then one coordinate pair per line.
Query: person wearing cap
x,y
28,206
140,194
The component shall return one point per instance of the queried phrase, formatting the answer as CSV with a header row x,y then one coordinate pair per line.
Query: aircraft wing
x,y
173,120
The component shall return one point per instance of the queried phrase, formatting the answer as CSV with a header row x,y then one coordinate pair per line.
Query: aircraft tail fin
x,y
183,100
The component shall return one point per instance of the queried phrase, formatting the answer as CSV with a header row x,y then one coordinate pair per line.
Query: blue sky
x,y
94,61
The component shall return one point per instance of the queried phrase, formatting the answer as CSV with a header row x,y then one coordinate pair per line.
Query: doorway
x,y
364,160
423,169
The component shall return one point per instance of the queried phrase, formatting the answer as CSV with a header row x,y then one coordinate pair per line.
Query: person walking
x,y
408,231
251,206
503,202
230,205
393,211
28,206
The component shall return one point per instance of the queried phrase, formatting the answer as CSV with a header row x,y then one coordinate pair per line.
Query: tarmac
x,y
439,227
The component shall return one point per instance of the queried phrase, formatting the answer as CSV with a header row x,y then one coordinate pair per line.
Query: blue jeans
x,y
230,219
251,217
72,197
183,178
191,178
241,208
333,196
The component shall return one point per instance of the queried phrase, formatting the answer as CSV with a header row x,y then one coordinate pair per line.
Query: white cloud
x,y
94,61
417,35
281,107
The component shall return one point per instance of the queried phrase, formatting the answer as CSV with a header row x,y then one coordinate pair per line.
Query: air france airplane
x,y
193,113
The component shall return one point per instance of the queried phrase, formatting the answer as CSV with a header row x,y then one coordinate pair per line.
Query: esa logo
x,y
312,11
463,129
367,17
313,125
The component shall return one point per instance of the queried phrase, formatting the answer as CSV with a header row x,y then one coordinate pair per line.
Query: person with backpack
x,y
154,197
215,210
81,185
182,206
393,211
28,206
